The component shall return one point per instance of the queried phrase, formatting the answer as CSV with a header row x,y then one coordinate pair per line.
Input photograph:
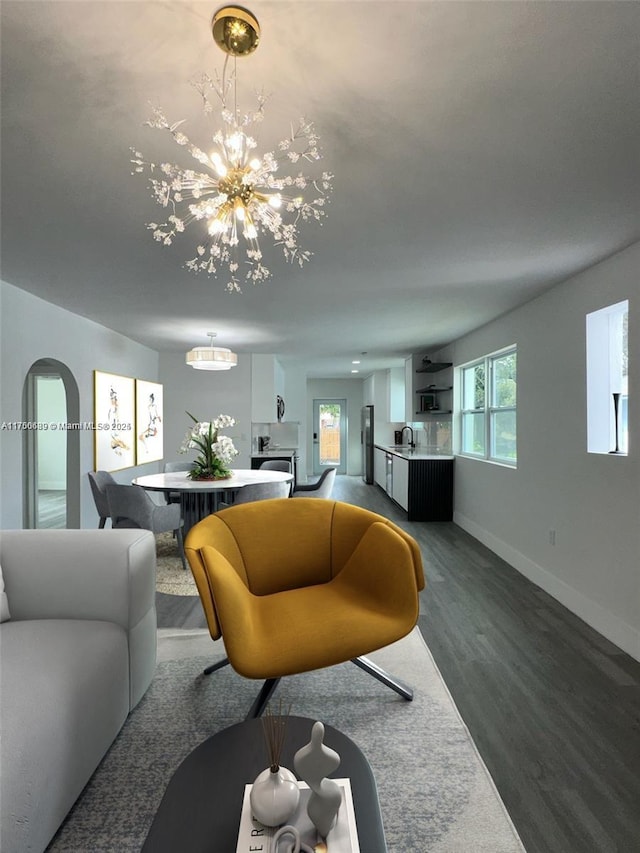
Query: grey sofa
x,y
76,656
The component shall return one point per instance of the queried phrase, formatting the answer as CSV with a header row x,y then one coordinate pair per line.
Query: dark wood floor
x,y
552,706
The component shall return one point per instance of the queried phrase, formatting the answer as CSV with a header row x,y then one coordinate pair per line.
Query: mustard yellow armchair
x,y
297,585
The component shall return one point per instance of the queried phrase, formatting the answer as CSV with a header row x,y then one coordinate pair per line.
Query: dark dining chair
x,y
131,506
169,468
279,465
99,480
258,492
322,488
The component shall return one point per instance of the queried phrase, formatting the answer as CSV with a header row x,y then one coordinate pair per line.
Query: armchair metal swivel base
x,y
340,579
268,688
262,699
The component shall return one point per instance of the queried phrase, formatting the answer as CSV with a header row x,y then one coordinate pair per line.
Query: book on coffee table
x,y
343,837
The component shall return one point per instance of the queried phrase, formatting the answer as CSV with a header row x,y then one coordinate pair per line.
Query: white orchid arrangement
x,y
216,451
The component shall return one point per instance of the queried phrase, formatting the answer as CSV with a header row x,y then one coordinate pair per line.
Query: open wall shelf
x,y
434,367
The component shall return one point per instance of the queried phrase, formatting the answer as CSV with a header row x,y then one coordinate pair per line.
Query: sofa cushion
x,y
64,695
4,601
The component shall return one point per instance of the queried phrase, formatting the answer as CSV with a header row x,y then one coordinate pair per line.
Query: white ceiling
x,y
482,152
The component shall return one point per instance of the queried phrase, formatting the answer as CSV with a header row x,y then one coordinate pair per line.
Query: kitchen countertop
x,y
406,452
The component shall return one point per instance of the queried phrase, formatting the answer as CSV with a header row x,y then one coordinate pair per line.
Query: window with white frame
x,y
608,379
488,407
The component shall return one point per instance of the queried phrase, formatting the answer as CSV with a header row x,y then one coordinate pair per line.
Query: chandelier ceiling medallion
x,y
211,357
236,195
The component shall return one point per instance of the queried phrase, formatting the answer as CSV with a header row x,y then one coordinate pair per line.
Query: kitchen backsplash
x,y
284,434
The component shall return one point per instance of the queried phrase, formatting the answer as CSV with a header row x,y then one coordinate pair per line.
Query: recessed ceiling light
x,y
355,371
355,362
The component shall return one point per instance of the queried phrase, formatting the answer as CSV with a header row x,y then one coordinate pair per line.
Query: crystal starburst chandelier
x,y
236,195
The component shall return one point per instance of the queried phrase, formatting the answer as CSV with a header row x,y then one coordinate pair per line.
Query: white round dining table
x,y
199,498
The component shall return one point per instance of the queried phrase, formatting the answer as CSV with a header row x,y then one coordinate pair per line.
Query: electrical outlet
x,y
552,537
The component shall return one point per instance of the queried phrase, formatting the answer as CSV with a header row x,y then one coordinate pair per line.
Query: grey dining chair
x,y
277,465
99,480
322,488
258,492
131,506
168,468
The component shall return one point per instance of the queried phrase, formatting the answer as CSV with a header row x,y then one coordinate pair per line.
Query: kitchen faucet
x,y
411,442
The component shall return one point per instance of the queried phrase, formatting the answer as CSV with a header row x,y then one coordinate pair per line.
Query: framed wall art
x,y
149,422
114,420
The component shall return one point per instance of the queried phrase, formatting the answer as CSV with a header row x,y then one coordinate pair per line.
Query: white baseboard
x,y
599,618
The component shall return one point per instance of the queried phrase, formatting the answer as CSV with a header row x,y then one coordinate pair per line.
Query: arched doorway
x,y
51,451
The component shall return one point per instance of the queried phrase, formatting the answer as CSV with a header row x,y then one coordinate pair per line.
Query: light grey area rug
x,y
436,796
171,577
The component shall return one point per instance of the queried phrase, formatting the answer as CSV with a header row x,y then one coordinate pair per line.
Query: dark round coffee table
x,y
200,810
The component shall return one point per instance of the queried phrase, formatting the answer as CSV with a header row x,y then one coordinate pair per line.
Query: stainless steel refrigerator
x,y
366,440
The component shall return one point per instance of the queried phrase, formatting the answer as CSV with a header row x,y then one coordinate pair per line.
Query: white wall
x,y
352,391
206,394
592,501
31,329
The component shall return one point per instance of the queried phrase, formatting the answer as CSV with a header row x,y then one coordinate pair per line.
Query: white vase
x,y
274,796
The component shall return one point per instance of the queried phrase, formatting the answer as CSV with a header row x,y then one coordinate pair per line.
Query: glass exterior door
x,y
329,435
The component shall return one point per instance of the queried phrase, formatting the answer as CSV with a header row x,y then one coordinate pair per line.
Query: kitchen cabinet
x,y
420,483
400,481
267,383
430,490
396,408
385,391
380,467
